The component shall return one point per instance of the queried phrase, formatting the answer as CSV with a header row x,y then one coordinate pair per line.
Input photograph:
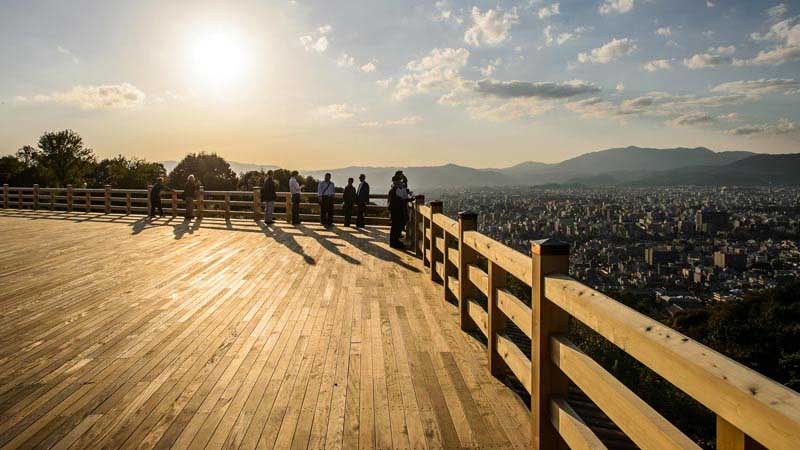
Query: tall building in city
x,y
711,221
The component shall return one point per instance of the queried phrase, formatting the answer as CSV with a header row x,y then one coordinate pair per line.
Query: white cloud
x,y
664,31
723,50
316,41
552,36
611,51
615,7
319,46
656,65
549,11
368,67
410,120
708,33
777,12
338,111
786,34
656,104
620,87
403,121
707,60
710,4
760,86
783,126
385,83
490,28
692,119
437,71
542,89
345,60
109,96
65,51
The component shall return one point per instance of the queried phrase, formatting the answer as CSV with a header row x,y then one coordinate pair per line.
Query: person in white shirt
x,y
294,189
326,191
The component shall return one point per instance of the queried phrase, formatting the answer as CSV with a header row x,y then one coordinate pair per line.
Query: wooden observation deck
x,y
118,332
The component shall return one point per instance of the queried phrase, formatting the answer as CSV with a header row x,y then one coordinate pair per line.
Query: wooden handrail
x,y
751,409
509,259
765,410
107,199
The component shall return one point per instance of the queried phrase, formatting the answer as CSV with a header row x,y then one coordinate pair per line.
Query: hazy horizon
x,y
319,85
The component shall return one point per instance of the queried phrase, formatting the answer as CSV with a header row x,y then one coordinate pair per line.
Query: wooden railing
x,y
752,411
207,204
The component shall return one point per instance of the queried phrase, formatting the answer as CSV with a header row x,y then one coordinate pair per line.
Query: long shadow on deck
x,y
365,239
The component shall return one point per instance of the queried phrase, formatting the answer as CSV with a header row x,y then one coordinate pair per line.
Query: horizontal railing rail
x,y
207,203
752,411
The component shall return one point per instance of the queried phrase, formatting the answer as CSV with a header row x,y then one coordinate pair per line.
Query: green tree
x,y
121,172
251,179
65,158
213,171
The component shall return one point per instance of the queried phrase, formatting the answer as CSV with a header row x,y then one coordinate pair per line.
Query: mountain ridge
x,y
622,166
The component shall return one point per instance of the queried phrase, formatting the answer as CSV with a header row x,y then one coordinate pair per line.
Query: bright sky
x,y
323,84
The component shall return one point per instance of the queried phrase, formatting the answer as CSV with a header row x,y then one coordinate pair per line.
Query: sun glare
x,y
218,59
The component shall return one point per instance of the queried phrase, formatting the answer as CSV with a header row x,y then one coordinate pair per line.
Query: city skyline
x,y
321,85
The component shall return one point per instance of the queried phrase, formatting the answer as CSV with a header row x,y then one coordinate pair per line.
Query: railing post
x,y
20,195
174,204
200,196
227,205
69,197
35,197
5,195
52,200
289,207
549,257
128,202
418,223
149,199
256,203
731,438
88,200
436,208
449,268
108,198
496,320
467,221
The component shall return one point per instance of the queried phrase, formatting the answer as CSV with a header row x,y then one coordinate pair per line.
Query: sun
x,y
218,59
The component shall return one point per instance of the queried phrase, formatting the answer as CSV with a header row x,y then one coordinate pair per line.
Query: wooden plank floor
x,y
115,333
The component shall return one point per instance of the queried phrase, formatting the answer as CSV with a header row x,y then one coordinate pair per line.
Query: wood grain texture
x,y
119,333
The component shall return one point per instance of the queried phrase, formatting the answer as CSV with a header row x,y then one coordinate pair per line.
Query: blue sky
x,y
334,83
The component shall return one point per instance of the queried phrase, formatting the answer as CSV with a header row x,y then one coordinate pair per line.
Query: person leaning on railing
x,y
189,194
269,196
155,197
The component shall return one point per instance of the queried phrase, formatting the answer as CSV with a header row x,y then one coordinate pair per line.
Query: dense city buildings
x,y
681,246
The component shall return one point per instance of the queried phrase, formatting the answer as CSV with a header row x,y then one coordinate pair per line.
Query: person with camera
x,y
326,191
399,197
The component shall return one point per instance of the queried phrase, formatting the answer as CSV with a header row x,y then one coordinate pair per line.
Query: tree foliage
x,y
213,172
64,157
125,173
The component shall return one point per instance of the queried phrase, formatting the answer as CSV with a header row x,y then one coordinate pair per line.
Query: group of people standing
x,y
353,197
326,192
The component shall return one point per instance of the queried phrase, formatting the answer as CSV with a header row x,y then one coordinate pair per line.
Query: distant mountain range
x,y
629,166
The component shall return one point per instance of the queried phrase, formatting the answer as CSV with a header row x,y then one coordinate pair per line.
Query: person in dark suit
x,y
398,210
269,196
155,197
348,199
362,198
